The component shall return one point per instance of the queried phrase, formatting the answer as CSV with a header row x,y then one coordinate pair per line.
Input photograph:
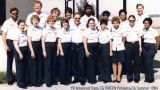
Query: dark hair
x,y
149,20
122,11
64,20
139,4
91,19
55,10
14,9
20,21
90,7
132,17
68,10
103,21
115,19
107,13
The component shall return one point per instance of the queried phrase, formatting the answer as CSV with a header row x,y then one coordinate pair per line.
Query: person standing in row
x,y
90,42
123,18
37,11
150,47
64,50
105,49
133,49
8,29
34,41
117,48
21,54
77,31
49,46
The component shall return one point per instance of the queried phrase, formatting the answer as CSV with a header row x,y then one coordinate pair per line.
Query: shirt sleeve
x,y
4,27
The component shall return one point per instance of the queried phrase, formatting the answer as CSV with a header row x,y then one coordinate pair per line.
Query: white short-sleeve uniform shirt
x,y
50,34
10,27
77,33
117,36
91,35
149,35
64,35
132,34
104,36
21,37
42,16
35,32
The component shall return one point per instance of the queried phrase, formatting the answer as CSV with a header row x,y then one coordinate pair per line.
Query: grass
x,y
3,78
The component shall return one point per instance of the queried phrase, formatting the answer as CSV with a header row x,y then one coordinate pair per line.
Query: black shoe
x,y
136,81
64,83
75,81
10,83
22,86
118,81
55,83
129,81
92,82
114,81
48,85
38,85
150,81
82,83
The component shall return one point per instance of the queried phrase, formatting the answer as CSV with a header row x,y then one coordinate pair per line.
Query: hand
x,y
62,53
20,56
110,54
88,54
44,54
140,50
32,55
57,52
7,48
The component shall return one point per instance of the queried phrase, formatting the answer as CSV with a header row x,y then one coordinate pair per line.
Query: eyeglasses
x,y
14,13
131,21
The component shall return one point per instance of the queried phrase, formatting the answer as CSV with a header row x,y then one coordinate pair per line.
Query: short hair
x,y
86,7
139,4
132,17
107,13
56,10
122,11
37,2
64,20
103,21
68,10
20,21
76,13
115,19
35,17
14,9
149,20
91,19
50,18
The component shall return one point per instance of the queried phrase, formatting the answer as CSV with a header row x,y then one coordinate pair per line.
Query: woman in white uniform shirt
x,y
105,51
117,48
21,54
64,50
150,46
90,45
49,47
34,41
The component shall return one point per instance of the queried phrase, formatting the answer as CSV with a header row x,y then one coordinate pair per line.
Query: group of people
x,y
48,50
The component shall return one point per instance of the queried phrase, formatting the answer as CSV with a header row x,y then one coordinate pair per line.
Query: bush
x,y
3,78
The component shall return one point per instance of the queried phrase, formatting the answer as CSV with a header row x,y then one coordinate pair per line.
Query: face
x,y
131,21
140,10
123,16
68,15
103,26
37,7
146,25
21,26
65,25
91,24
105,17
35,22
14,14
55,14
116,24
51,23
77,19
88,11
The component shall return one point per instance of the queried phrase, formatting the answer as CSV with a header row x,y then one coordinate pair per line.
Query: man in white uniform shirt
x,y
8,30
37,11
